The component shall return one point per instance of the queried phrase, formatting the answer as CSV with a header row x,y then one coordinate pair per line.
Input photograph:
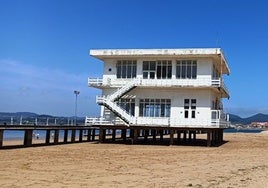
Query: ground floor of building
x,y
161,135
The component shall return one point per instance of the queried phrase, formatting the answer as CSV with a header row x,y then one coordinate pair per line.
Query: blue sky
x,y
44,47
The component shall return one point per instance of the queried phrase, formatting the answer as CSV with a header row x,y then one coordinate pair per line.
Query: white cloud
x,y
27,87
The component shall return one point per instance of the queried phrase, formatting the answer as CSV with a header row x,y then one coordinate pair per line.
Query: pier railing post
x,y
80,135
56,136
28,137
1,137
65,138
48,136
88,135
73,136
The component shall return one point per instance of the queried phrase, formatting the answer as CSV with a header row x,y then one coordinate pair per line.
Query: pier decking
x,y
28,134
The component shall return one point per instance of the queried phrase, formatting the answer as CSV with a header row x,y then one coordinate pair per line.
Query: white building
x,y
170,88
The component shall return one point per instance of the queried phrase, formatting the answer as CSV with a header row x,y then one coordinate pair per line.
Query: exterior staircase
x,y
109,101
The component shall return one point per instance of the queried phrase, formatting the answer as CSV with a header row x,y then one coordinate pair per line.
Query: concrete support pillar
x,y
1,137
28,137
56,136
209,138
161,132
101,131
65,137
221,136
124,134
146,133
93,134
216,137
184,136
113,134
154,135
81,135
73,136
213,137
190,136
48,137
135,136
194,136
171,137
88,135
178,136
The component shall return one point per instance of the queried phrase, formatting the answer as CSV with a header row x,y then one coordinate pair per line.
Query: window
x,y
128,105
164,69
189,107
186,69
149,69
155,107
126,69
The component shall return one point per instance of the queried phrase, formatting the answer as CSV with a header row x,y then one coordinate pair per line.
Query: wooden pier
x,y
162,135
112,134
29,129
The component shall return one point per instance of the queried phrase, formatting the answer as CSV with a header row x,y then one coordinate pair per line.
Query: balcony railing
x,y
218,120
207,81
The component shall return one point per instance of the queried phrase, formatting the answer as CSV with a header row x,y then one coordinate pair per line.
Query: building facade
x,y
180,88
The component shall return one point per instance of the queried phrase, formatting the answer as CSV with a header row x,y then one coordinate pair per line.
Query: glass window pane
x,y
152,75
152,65
158,72
145,65
164,71
134,71
189,69
169,74
183,71
118,70
194,71
145,75
124,69
186,114
193,114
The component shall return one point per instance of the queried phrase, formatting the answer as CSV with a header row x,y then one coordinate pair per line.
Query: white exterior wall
x,y
203,96
177,96
204,68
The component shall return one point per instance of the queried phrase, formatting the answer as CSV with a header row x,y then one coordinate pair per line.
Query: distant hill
x,y
17,114
29,117
255,118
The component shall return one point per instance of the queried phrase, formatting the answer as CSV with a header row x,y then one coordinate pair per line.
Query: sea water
x,y
19,135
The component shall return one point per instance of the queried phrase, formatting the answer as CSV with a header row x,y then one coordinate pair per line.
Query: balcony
x,y
199,82
218,120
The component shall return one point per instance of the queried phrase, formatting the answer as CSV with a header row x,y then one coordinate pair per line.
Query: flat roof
x,y
187,52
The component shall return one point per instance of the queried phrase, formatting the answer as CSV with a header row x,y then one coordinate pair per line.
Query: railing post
x,y
1,137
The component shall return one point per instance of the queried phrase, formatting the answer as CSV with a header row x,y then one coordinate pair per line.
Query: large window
x,y
149,68
186,69
155,107
164,69
126,69
128,105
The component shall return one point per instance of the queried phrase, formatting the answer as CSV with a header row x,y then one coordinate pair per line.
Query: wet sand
x,y
241,162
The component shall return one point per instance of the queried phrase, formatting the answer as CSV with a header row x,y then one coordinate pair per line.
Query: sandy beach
x,y
241,162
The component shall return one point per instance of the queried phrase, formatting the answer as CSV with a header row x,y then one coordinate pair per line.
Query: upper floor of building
x,y
162,68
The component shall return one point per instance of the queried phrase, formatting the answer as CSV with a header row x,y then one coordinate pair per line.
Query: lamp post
x,y
76,93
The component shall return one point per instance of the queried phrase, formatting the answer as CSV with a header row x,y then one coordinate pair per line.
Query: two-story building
x,y
179,90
